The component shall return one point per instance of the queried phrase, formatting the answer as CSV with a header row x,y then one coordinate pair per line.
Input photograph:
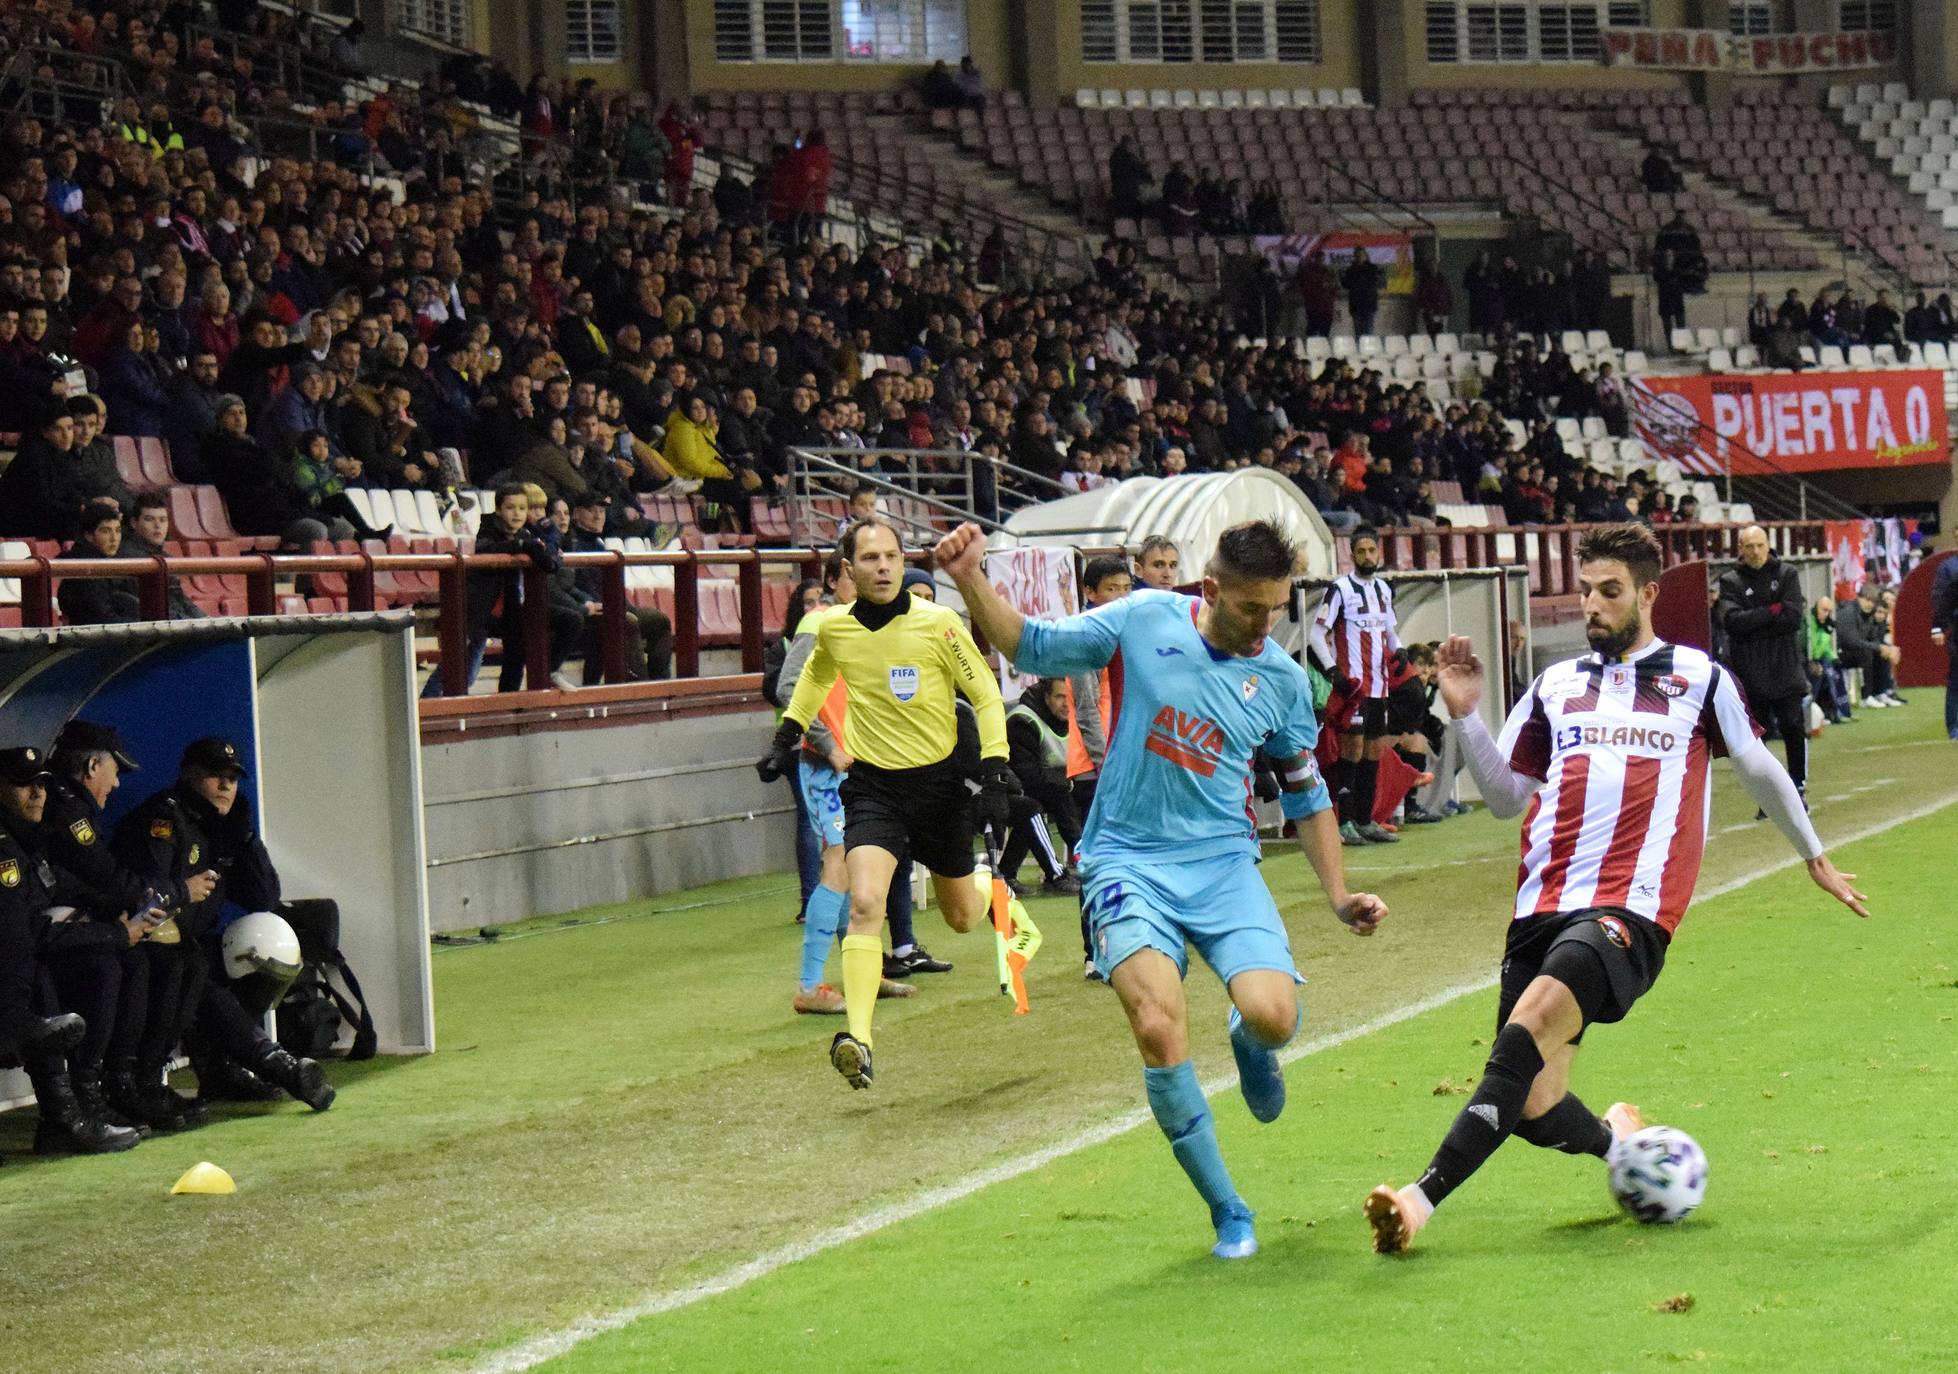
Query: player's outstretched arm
x,y
1768,783
962,555
1362,912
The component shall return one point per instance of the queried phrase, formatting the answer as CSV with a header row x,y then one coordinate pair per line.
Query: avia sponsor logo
x,y
1640,737
1187,740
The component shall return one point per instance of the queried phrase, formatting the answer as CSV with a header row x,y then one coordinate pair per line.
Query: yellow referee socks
x,y
863,973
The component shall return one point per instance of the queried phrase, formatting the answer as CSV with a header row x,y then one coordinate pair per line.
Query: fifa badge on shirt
x,y
904,682
1250,686
83,831
10,873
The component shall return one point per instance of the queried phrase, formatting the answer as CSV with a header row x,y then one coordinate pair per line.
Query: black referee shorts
x,y
924,812
1606,956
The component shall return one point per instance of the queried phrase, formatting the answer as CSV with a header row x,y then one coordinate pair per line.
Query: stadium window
x,y
591,32
1855,15
1483,32
913,31
1200,30
1098,33
1750,18
446,21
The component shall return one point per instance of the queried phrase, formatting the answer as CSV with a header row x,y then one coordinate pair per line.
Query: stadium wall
x,y
1378,46
532,819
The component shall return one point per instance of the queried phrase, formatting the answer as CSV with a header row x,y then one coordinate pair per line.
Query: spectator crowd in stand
x,y
602,330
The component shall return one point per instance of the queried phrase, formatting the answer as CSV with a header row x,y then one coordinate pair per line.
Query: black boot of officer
x,y
303,1078
66,1127
141,1094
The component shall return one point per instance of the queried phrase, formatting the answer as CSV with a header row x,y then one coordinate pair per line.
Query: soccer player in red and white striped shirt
x,y
1609,752
1352,637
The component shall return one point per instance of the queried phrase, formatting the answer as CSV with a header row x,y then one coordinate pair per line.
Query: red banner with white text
x,y
1760,424
1774,54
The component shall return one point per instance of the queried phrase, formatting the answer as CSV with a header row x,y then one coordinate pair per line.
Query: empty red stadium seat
x,y
184,515
129,464
153,456
210,510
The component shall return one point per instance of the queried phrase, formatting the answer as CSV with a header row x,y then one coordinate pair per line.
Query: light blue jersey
x,y
1176,783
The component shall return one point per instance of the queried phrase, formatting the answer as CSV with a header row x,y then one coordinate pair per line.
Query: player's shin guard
x,y
823,917
863,973
1184,1115
1490,1116
1569,1126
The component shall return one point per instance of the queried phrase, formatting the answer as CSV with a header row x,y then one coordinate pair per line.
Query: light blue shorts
x,y
1220,905
822,798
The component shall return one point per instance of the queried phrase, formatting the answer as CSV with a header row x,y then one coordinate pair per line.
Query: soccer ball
x,y
1659,1175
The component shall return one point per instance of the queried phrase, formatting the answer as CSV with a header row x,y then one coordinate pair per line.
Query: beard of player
x,y
1614,639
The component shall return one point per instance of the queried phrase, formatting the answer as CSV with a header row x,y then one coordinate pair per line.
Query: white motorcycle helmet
x,y
261,943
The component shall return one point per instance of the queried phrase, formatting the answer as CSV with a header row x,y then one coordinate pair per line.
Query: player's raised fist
x,y
1460,678
962,553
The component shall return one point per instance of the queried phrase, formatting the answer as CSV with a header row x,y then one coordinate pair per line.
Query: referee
x,y
903,660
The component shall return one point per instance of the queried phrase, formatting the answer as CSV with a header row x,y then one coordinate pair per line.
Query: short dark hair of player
x,y
149,500
1631,544
1153,544
1102,567
1420,655
847,545
1363,532
1256,550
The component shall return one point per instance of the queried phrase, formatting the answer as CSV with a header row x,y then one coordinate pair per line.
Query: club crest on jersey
x,y
1614,931
1671,685
904,682
9,873
83,830
1250,686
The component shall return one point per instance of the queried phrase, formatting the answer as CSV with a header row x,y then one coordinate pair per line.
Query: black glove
x,y
1264,780
997,787
779,761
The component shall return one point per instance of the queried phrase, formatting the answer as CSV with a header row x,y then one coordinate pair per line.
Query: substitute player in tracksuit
x,y
1170,853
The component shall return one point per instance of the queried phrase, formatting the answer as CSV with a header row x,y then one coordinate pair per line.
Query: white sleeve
x,y
1393,619
1730,728
1317,638
1505,789
1761,773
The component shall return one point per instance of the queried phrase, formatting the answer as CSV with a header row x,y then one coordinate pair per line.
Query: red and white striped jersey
x,y
1621,747
1355,630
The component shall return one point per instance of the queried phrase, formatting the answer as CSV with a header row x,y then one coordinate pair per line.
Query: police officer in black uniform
x,y
206,822
28,934
127,1052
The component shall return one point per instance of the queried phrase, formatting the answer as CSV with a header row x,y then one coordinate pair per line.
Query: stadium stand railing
x,y
736,613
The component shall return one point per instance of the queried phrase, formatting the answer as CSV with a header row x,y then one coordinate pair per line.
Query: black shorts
x,y
926,813
1407,709
1369,719
1606,956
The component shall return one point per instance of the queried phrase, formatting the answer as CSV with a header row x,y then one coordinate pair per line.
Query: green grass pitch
x,y
623,1106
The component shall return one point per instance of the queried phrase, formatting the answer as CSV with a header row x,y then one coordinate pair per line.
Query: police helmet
x,y
261,943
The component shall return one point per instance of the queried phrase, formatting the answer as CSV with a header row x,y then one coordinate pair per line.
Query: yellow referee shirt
x,y
900,677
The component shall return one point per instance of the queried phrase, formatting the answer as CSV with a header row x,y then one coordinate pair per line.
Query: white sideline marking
x,y
539,1349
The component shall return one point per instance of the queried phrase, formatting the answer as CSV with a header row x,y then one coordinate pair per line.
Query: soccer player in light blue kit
x,y
1170,850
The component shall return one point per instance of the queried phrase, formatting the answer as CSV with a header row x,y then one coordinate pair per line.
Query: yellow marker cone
x,y
206,1179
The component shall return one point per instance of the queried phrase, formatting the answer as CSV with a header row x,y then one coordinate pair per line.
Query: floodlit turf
x,y
624,1106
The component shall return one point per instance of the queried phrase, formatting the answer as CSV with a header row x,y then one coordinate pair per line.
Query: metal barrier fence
x,y
374,580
